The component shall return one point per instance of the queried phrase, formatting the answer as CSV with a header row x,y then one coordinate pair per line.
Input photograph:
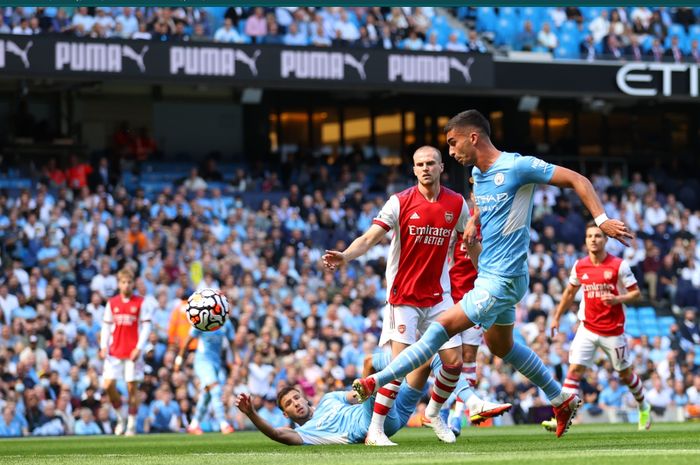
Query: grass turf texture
x,y
671,443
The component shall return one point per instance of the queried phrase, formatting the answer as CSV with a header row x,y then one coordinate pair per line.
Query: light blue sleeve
x,y
195,333
230,332
336,395
532,170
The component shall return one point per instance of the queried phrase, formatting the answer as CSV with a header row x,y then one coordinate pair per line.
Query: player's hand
x,y
134,354
102,354
618,230
333,259
610,299
244,404
553,327
470,232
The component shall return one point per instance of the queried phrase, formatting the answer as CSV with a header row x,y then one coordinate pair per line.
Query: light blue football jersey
x,y
211,342
504,196
335,421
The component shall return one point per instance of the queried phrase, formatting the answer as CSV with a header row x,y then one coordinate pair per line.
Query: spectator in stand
x,y
600,26
612,49
130,24
256,25
588,49
4,29
413,42
294,36
546,38
634,50
87,425
674,51
273,36
227,33
432,45
527,39
453,45
474,43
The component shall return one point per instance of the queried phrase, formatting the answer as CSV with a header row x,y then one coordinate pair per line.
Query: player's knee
x,y
626,375
451,357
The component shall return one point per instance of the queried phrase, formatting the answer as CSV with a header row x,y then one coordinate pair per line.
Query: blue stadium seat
x,y
505,31
694,30
647,313
566,52
665,323
241,25
508,12
590,12
485,19
632,329
534,15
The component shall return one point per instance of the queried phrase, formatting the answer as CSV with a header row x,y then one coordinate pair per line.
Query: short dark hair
x,y
472,118
283,392
591,224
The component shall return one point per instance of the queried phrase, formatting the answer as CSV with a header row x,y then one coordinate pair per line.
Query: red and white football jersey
x,y
416,271
608,277
126,315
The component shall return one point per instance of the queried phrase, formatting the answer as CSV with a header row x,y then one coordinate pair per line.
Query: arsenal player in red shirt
x,y
125,330
422,219
602,317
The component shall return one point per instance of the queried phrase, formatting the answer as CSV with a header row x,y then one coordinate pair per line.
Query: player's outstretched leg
x,y
218,407
199,411
408,360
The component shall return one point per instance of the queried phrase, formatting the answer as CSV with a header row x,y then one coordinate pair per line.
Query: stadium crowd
x,y
590,33
297,323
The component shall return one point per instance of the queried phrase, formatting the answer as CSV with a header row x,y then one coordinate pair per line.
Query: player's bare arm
x,y
473,251
180,358
282,435
633,294
471,231
567,298
564,177
333,259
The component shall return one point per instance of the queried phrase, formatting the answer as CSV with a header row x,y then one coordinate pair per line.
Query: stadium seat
x,y
505,31
508,12
665,323
485,19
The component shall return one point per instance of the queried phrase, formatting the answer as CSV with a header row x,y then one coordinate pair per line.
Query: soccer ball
x,y
207,309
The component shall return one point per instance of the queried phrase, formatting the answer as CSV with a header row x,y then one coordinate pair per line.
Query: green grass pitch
x,y
675,443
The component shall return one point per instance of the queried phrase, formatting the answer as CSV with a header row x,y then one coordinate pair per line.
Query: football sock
x,y
384,400
413,356
202,403
380,360
216,403
637,389
529,364
445,382
469,372
571,383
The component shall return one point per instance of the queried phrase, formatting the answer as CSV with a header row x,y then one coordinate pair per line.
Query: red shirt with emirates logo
x,y
126,317
416,271
608,277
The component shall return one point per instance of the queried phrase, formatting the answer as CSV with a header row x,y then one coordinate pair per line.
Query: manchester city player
x,y
504,184
338,418
207,366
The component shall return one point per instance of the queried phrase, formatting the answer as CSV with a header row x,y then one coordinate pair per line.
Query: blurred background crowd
x,y
257,232
591,33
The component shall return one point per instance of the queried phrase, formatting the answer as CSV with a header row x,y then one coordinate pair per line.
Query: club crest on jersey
x,y
449,216
607,275
499,179
402,329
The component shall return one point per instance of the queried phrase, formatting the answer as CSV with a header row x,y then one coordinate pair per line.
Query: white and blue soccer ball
x,y
207,309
